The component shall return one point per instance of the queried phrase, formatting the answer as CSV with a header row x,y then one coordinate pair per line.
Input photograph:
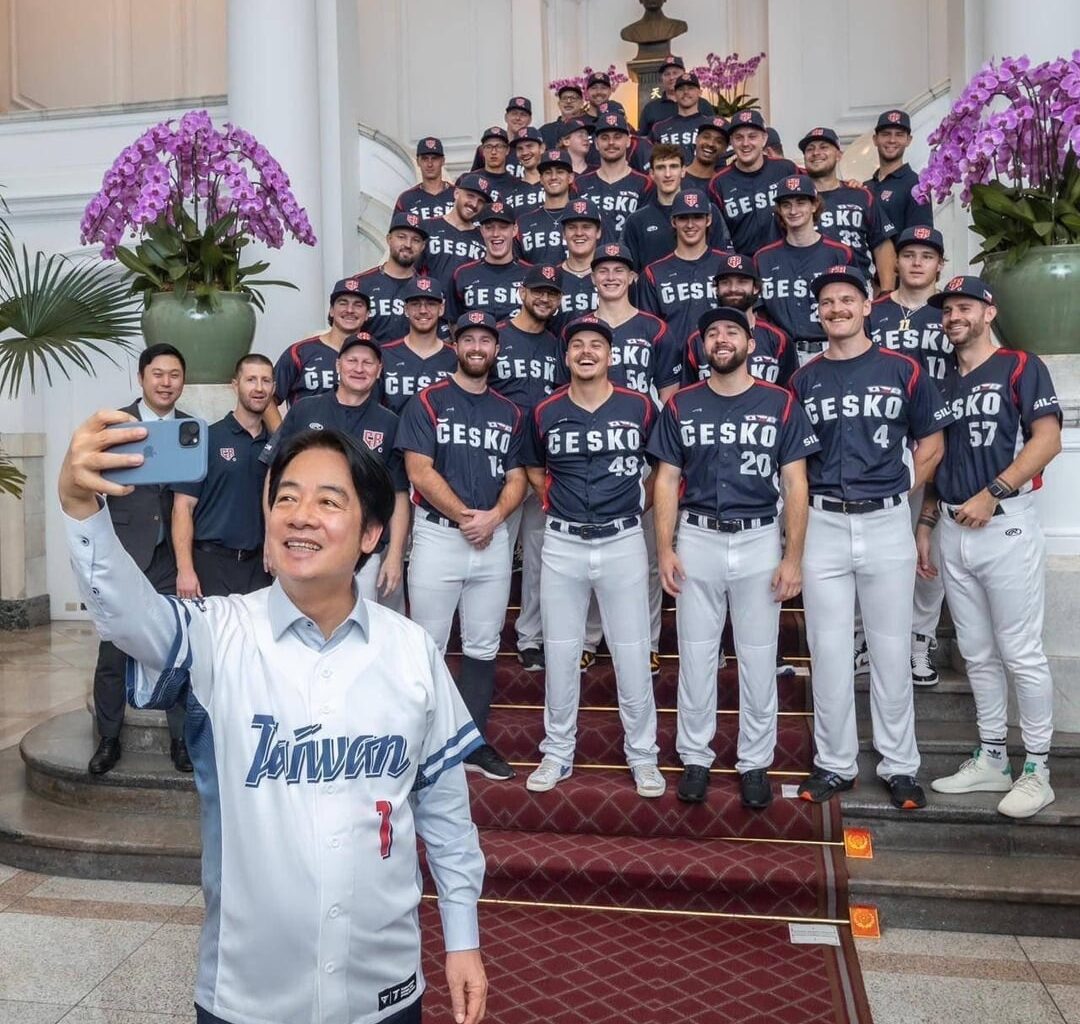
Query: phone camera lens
x,y
189,434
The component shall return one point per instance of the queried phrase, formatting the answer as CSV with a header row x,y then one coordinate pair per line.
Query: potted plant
x,y
721,79
1010,142
196,195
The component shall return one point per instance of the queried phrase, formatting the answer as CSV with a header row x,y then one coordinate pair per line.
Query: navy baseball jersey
x,y
746,201
649,236
405,373
526,196
473,440
305,369
615,200
786,272
730,450
423,204
893,194
850,216
386,316
493,287
642,355
993,408
501,186
512,166
916,333
865,411
526,369
447,249
539,238
578,298
594,460
679,291
773,360
702,184
661,108
679,131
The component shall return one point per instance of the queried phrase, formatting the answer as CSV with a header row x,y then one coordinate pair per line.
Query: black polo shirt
x,y
893,193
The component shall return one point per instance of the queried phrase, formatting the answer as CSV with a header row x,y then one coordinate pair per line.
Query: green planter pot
x,y
1038,300
211,339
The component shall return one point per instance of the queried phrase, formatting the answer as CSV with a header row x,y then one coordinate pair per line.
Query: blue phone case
x,y
165,459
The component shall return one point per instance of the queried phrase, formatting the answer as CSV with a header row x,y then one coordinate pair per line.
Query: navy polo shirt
x,y
893,192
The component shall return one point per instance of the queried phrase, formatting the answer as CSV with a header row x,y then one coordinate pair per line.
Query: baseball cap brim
x,y
822,280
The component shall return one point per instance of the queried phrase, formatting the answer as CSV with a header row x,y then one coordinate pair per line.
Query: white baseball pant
x,y
527,522
929,594
727,571
367,586
872,556
615,569
995,583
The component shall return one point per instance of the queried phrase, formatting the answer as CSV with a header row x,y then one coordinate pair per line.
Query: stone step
x,y
948,701
142,731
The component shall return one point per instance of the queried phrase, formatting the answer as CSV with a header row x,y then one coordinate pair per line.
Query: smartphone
x,y
173,451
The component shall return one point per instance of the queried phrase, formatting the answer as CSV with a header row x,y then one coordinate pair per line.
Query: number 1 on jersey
x,y
383,808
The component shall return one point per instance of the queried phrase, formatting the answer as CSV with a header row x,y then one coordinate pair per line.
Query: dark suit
x,y
142,521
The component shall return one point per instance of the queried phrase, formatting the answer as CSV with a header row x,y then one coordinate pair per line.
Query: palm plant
x,y
55,315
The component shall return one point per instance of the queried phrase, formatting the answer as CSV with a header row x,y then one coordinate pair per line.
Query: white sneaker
x,y
649,780
1030,793
862,656
547,775
976,775
923,672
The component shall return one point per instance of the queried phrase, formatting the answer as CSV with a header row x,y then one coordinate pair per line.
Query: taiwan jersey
x,y
527,196
786,271
423,204
893,194
386,315
661,108
866,411
406,373
493,287
731,449
773,360
447,249
679,291
993,407
539,239
473,441
916,333
526,368
593,460
307,368
746,200
615,200
850,216
649,236
578,298
679,131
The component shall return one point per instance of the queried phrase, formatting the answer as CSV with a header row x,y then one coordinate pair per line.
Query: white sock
x,y
994,753
1040,761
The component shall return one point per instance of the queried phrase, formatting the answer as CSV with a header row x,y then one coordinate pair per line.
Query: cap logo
x,y
581,206
611,119
519,101
412,219
496,207
837,270
611,250
690,198
554,154
431,143
817,131
476,317
735,262
791,183
548,273
423,283
955,284
352,284
921,232
745,116
893,116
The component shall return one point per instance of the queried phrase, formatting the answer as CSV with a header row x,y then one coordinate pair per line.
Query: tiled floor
x,y
95,952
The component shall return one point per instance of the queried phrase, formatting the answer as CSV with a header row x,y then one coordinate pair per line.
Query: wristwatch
x,y
998,490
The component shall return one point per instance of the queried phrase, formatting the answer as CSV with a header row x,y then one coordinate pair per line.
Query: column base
x,y
24,612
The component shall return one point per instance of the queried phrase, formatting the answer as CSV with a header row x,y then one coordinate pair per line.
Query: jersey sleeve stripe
x,y
1014,377
163,691
451,753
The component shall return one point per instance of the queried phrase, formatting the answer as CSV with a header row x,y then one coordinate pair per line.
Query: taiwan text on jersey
x,y
526,369
493,287
786,272
307,368
994,406
679,291
405,373
425,205
866,411
539,238
578,298
615,200
447,249
594,460
773,360
746,201
386,315
916,333
850,216
680,131
473,440
730,450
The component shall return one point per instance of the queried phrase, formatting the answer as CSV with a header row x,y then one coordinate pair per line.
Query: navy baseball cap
x,y
598,78
774,139
727,314
838,275
689,203
430,146
360,338
611,107
688,78
555,158
589,322
795,185
671,61
423,288
571,87
747,119
819,135
476,318
893,119
495,211
519,103
580,209
349,286
409,221
736,265
529,134
715,124
496,131
921,235
613,122
475,183
968,285
543,277
573,125
612,252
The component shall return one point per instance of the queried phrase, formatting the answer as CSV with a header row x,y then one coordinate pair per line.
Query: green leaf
x,y
1043,228
137,266
12,478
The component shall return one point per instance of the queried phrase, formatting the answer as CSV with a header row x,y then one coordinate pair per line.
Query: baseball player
x,y
662,106
326,735
491,284
421,357
850,214
518,117
774,147
586,457
385,284
788,266
639,154
582,228
598,93
571,102
681,128
575,136
526,371
868,406
1006,431
528,148
454,239
495,147
745,189
462,446
615,187
538,238
905,321
710,153
893,180
723,447
434,195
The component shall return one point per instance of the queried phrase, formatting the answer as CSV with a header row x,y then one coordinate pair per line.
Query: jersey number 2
x,y
383,808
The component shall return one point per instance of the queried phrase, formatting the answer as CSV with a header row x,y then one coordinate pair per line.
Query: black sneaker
x,y
693,784
905,792
532,659
822,785
755,789
486,762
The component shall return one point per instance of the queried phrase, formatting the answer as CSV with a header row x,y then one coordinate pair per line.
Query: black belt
x,y
236,554
727,525
951,510
855,508
434,517
811,344
593,531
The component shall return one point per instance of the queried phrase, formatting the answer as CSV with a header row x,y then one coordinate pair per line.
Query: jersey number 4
x,y
383,808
